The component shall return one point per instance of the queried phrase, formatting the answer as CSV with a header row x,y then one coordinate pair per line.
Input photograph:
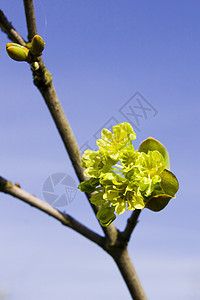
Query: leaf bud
x,y
37,45
17,52
35,66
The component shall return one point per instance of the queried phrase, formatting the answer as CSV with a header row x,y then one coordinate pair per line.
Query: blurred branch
x,y
7,27
131,223
30,18
15,191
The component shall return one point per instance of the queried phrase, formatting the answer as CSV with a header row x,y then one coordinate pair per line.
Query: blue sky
x,y
100,54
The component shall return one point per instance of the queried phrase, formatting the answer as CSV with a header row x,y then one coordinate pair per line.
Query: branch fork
x,y
114,242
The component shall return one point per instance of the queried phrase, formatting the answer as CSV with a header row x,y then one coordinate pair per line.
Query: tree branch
x,y
30,18
15,191
131,223
127,270
115,242
7,27
43,80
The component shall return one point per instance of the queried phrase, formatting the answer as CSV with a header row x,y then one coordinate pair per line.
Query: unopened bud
x,y
37,45
35,66
17,52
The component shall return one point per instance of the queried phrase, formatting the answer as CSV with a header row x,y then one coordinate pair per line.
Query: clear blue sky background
x,y
100,54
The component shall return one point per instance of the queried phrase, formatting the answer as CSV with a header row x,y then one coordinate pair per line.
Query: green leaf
x,y
97,199
89,186
169,183
158,202
152,144
106,215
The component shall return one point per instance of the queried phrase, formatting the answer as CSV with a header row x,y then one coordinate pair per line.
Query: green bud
x,y
35,66
37,45
17,52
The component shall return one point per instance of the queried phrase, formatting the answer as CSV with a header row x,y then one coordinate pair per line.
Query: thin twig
x,y
30,18
43,81
131,223
15,191
7,27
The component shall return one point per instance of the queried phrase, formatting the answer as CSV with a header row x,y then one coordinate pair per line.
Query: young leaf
x,y
89,186
106,215
158,202
169,183
152,144
97,199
